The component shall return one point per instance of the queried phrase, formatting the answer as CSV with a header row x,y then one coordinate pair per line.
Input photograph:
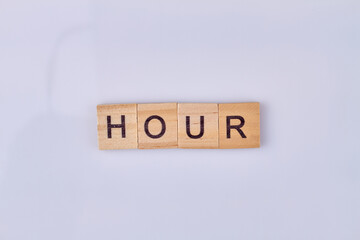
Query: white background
x,y
299,59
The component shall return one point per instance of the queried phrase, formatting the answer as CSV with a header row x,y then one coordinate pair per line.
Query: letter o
x,y
163,126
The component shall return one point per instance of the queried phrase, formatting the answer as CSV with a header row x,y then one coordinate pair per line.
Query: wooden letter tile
x,y
157,125
239,125
117,127
198,125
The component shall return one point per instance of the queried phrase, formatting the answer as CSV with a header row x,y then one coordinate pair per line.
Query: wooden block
x,y
239,125
198,125
157,125
117,126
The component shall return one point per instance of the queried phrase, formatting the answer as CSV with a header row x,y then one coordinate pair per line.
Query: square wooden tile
x,y
157,125
117,126
239,125
198,125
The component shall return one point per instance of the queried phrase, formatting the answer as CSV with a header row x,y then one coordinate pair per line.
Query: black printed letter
x,y
201,128
110,126
163,126
237,127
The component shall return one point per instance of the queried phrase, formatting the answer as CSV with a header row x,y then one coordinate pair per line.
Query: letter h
x,y
110,126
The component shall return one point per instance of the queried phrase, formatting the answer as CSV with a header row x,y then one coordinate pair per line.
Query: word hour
x,y
179,125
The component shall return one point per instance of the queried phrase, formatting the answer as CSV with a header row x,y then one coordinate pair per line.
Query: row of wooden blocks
x,y
179,125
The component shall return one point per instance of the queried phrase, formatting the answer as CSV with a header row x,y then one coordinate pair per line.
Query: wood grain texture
x,y
250,115
154,126
117,113
193,137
